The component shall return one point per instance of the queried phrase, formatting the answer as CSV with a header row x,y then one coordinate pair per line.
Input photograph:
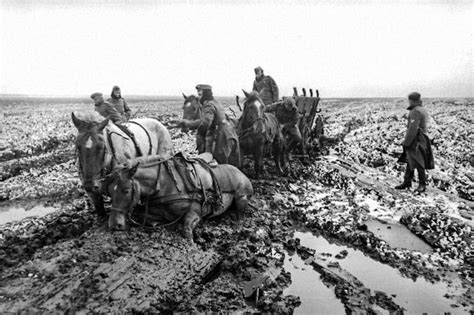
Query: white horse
x,y
101,145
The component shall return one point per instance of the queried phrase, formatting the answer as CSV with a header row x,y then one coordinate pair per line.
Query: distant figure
x,y
265,86
416,145
286,113
119,102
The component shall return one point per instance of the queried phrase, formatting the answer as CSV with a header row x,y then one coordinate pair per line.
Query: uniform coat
x,y
121,106
267,89
287,117
108,110
416,143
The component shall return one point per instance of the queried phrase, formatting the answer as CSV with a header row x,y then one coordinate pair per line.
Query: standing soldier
x,y
416,145
119,103
286,113
265,86
212,127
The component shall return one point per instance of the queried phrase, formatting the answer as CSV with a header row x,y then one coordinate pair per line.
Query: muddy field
x,y
333,237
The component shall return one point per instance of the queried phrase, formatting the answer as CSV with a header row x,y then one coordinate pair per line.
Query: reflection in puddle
x,y
398,236
14,213
416,297
315,297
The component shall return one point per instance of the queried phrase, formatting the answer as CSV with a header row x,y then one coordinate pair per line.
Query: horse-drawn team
x,y
132,160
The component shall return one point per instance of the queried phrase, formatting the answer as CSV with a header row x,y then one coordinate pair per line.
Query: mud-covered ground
x,y
342,200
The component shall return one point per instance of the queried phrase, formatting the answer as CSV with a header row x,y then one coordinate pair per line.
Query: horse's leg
x,y
284,156
276,153
258,159
98,202
191,220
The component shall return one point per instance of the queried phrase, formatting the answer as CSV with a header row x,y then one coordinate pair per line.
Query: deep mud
x,y
308,243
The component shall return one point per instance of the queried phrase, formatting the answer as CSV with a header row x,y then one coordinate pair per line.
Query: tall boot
x,y
421,180
407,179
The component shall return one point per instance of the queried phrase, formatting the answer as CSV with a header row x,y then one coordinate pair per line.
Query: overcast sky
x,y
345,49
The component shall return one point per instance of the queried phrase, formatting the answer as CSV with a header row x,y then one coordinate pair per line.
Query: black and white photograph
x,y
236,157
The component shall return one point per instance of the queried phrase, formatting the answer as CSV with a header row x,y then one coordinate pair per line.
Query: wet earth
x,y
333,237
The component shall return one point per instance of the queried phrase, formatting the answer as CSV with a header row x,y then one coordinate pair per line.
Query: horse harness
x,y
189,194
131,136
107,164
245,132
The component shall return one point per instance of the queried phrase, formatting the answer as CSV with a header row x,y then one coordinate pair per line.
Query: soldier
x,y
287,114
416,145
212,127
110,111
265,86
106,109
119,102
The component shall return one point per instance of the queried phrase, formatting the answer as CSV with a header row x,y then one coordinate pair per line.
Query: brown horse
x,y
102,145
195,192
258,131
225,152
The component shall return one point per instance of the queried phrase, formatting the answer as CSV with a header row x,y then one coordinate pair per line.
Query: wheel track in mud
x,y
18,246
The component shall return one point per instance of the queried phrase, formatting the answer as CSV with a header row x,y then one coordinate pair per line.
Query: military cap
x,y
414,96
258,69
203,87
94,95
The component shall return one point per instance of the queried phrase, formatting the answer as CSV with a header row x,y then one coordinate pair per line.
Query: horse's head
x,y
124,191
191,108
90,146
253,110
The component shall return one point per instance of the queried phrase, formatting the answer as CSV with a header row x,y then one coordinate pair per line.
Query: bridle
x,y
197,108
129,214
251,126
124,212
103,170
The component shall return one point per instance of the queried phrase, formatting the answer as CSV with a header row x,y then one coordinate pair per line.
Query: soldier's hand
x,y
184,123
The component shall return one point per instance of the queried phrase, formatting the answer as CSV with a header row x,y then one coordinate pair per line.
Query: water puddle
x,y
416,297
398,236
315,297
10,212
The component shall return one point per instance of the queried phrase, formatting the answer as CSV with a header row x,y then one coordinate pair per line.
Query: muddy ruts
x,y
17,248
14,167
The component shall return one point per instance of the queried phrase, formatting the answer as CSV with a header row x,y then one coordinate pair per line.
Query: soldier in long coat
x,y
287,115
265,86
119,102
213,129
416,145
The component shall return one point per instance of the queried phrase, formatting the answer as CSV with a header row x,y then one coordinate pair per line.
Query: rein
x,y
129,214
253,123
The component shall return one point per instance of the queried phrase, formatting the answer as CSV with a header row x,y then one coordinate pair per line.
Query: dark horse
x,y
102,145
227,149
258,131
176,188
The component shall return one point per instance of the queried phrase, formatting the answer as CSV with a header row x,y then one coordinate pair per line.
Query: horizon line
x,y
19,95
